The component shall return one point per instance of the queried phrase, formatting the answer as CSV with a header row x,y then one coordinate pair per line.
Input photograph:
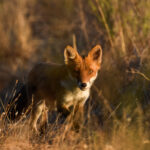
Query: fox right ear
x,y
96,54
69,54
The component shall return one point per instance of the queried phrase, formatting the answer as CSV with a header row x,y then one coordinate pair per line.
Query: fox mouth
x,y
83,88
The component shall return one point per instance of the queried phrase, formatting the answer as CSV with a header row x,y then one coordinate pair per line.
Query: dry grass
x,y
97,132
118,113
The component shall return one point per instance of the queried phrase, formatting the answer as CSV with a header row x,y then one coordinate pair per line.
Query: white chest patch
x,y
74,94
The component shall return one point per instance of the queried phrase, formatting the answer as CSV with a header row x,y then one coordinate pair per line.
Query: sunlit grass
x,y
118,113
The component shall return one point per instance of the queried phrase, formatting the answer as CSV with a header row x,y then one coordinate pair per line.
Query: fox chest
x,y
72,97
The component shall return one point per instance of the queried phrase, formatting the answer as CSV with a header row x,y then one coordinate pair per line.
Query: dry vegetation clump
x,y
17,45
118,112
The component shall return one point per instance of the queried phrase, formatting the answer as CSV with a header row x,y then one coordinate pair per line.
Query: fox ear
x,y
70,54
96,54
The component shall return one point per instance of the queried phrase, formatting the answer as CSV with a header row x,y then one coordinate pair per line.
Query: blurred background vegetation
x,y
35,31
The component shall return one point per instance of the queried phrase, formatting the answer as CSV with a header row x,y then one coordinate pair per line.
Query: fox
x,y
62,86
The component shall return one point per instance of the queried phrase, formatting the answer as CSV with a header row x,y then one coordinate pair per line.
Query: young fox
x,y
62,86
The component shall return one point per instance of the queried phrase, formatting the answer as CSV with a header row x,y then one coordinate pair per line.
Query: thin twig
x,y
74,42
24,115
4,109
113,112
134,71
106,103
105,22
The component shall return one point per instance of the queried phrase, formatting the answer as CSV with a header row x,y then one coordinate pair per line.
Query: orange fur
x,y
63,86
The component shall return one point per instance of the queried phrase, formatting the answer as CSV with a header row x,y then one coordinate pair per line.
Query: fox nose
x,y
83,85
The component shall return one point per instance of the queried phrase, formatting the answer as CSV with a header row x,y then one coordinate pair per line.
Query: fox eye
x,y
90,71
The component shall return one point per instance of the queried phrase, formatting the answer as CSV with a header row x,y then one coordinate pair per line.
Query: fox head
x,y
83,69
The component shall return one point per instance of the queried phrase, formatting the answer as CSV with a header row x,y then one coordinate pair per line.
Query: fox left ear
x,y
96,54
70,54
